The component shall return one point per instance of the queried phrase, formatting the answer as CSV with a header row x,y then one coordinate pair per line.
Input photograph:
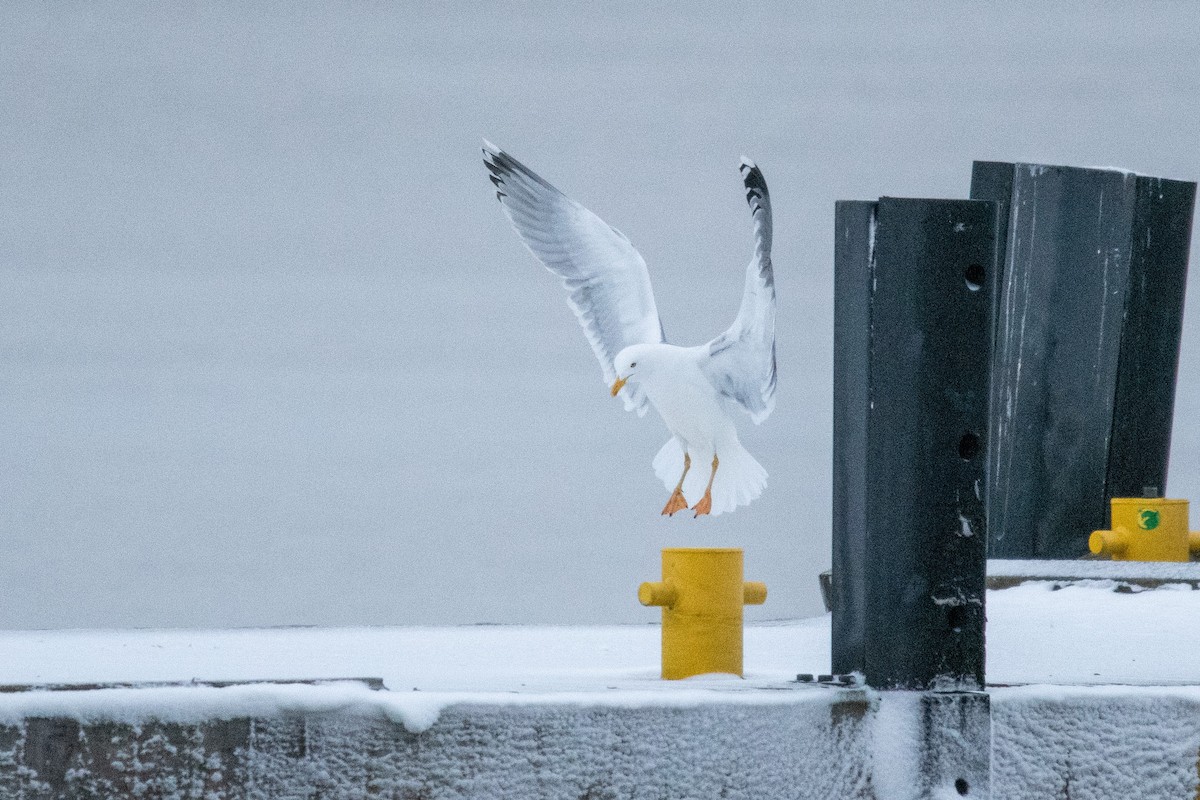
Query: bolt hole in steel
x,y
961,786
956,617
974,276
968,446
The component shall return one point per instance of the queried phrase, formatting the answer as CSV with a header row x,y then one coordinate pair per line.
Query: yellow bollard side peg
x,y
661,593
754,593
1109,543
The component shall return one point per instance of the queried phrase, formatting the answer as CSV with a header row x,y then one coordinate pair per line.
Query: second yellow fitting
x,y
1147,529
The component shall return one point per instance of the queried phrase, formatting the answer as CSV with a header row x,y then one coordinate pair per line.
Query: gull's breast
x,y
690,406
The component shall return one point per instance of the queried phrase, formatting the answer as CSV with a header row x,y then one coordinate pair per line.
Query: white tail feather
x,y
740,478
668,464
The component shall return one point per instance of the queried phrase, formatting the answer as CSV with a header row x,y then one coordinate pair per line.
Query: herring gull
x,y
694,389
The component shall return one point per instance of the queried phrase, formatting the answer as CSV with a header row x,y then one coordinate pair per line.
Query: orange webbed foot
x,y
704,506
676,503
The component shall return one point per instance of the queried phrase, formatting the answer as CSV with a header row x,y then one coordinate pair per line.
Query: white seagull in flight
x,y
694,389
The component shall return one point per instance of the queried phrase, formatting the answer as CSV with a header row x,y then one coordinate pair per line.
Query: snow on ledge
x,y
1039,632
1098,569
416,711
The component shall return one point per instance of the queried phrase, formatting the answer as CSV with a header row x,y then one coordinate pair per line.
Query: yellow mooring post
x,y
1147,529
701,594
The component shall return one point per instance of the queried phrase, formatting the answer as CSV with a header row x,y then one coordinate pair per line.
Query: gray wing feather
x,y
741,361
606,277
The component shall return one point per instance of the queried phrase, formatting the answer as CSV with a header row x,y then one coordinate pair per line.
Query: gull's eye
x,y
632,365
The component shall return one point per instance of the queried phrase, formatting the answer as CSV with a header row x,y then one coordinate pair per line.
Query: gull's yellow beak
x,y
616,387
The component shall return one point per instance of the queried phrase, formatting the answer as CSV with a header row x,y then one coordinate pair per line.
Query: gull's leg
x,y
705,504
677,501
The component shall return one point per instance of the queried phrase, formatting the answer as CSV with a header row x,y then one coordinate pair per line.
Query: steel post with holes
x,y
914,299
1089,317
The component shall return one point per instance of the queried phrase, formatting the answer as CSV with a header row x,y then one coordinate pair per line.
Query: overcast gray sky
x,y
271,354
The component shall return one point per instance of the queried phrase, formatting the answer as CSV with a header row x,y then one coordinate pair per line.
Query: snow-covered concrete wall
x,y
1083,743
815,749
1089,743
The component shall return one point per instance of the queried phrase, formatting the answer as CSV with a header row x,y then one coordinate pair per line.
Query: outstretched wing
x,y
741,361
609,286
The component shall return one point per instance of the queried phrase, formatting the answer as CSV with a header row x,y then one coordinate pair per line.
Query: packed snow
x,y
1018,570
1086,634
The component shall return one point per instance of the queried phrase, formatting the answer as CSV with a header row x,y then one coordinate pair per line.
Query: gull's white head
x,y
635,359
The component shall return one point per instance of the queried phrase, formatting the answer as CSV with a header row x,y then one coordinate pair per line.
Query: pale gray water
x,y
270,353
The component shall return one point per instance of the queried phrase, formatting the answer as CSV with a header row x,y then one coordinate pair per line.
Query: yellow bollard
x,y
701,595
1147,529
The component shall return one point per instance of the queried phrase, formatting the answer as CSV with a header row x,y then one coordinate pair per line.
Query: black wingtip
x,y
753,179
495,160
504,166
